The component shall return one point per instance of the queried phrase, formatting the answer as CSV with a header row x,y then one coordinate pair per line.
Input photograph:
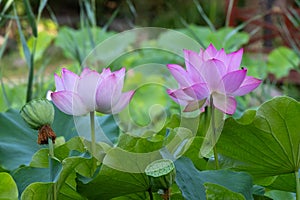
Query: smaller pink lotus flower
x,y
211,75
91,91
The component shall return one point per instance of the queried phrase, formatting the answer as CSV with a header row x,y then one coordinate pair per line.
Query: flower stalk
x,y
214,134
150,194
93,137
297,184
51,148
51,158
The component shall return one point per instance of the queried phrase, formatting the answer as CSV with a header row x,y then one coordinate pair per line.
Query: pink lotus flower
x,y
91,91
211,74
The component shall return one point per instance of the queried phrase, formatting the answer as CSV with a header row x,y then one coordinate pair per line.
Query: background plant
x,y
78,175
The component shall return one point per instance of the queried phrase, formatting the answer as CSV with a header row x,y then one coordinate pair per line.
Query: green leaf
x,y
134,159
42,5
228,39
132,154
35,181
42,43
8,187
137,144
281,60
135,196
40,158
113,183
193,153
25,47
199,33
110,127
279,195
191,181
63,125
19,142
285,182
37,191
5,7
177,41
256,65
25,176
74,43
266,144
215,191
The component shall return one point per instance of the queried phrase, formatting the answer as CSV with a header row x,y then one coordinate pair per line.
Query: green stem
x,y
30,80
51,148
297,185
93,138
229,10
51,155
150,194
214,136
94,11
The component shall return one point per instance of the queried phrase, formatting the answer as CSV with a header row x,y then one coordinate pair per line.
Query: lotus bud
x,y
39,115
161,174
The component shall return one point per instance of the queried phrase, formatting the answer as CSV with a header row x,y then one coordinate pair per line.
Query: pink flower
x,y
211,74
91,91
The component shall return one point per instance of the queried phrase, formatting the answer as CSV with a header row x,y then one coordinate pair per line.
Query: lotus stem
x,y
51,148
150,194
93,137
214,136
297,184
52,176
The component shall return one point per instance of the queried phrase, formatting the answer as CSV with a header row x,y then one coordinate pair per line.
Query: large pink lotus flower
x,y
211,75
91,91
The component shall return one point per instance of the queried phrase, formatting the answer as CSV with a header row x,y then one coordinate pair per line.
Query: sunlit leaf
x,y
215,191
42,43
141,151
177,41
285,182
281,60
8,187
265,143
279,195
199,33
223,38
38,191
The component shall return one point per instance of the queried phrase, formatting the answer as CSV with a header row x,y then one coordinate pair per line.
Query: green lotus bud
x,y
39,115
161,174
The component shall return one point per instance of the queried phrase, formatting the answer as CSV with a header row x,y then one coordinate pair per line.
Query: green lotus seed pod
x,y
37,113
161,174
